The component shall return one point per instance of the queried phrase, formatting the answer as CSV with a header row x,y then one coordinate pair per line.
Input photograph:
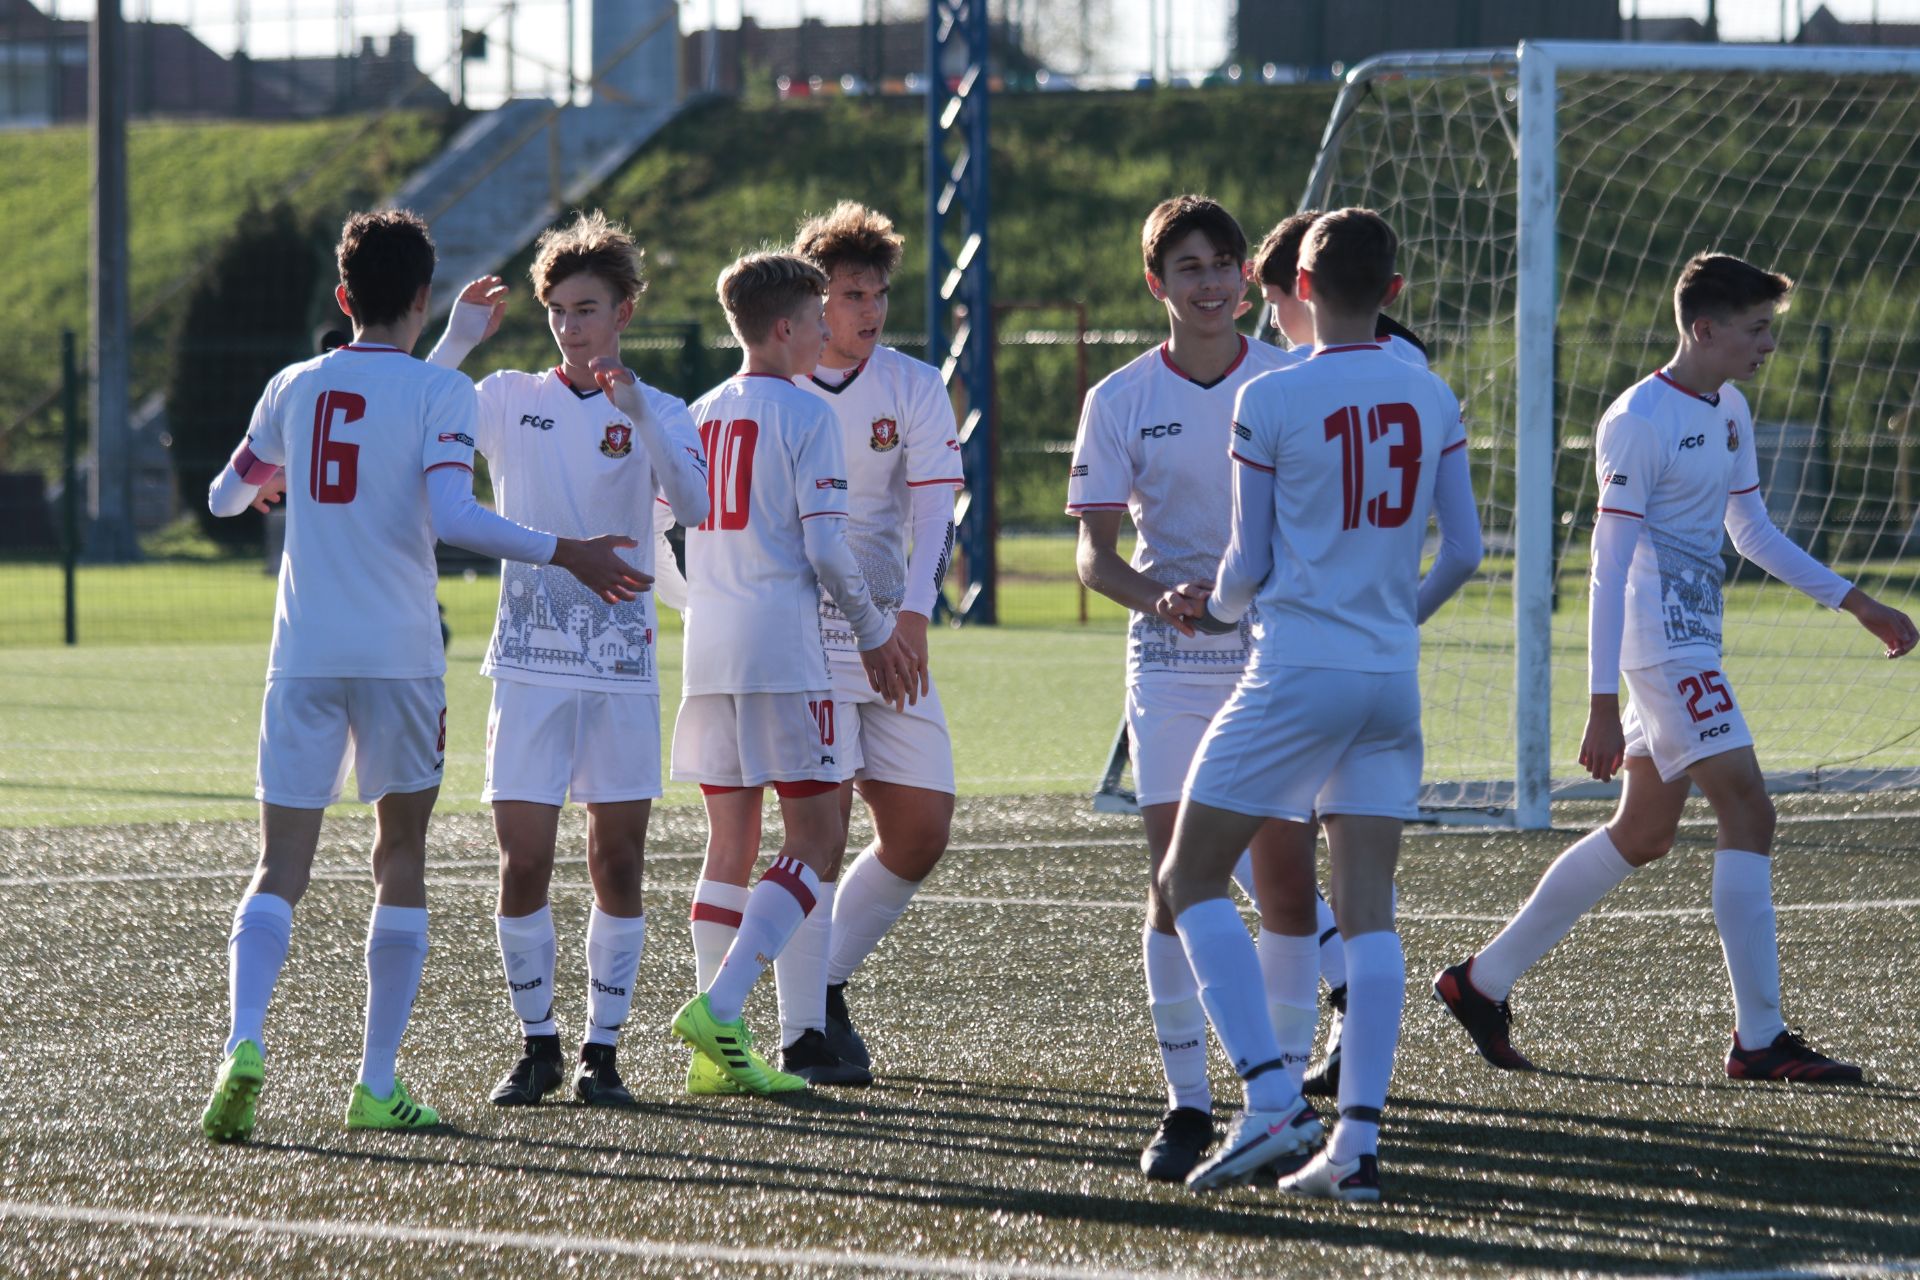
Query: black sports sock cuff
x,y
1261,1069
1363,1115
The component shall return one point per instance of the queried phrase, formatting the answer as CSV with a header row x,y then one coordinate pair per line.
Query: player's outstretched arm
x,y
1102,568
475,318
668,435
1756,537
1460,545
459,519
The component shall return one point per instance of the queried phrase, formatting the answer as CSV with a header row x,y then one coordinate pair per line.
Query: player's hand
x,y
910,629
890,672
619,383
1603,747
272,489
1182,604
1892,628
597,564
488,291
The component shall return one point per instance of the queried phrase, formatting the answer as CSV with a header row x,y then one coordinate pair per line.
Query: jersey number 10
x,y
1344,428
729,447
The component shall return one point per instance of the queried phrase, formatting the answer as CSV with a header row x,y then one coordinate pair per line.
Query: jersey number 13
x,y
1353,431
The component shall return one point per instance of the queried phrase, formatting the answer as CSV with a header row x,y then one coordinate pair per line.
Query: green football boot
x,y
229,1113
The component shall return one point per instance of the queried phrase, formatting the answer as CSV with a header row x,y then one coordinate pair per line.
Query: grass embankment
x,y
188,183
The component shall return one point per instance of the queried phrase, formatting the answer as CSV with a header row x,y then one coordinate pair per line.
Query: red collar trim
x,y
559,371
1351,346
754,373
1167,357
370,346
1683,389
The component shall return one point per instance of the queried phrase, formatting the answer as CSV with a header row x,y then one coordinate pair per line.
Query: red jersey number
x,y
729,447
334,476
1391,508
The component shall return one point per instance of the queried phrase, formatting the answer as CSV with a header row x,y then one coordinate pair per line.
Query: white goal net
x,y
1545,201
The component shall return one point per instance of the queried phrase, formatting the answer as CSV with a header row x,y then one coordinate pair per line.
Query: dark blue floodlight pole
x,y
959,284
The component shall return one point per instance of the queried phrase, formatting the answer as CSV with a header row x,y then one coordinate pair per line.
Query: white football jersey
x,y
568,462
1671,458
1153,442
357,430
774,459
1353,437
896,422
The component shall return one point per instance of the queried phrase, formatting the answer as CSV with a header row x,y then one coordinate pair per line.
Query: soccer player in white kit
x,y
1152,445
576,693
1339,461
1676,464
1276,266
757,706
373,451
903,466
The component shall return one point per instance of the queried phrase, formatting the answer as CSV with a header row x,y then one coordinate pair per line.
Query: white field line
x,y
339,1230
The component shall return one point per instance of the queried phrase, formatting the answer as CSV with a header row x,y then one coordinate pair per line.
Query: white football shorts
x,y
1680,712
1166,719
545,742
392,733
910,747
751,739
1301,740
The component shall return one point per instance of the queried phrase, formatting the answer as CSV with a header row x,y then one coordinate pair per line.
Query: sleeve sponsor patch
x,y
1079,469
456,437
829,484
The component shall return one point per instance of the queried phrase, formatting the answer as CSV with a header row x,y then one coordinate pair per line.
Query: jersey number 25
x,y
729,447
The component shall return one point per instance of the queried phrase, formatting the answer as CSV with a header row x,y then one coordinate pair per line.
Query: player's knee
x,y
1640,846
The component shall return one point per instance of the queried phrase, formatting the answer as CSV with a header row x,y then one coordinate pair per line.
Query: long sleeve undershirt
x,y
834,564
457,517
932,523
1460,549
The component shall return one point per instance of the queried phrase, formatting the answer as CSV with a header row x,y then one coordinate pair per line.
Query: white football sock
x,y
870,899
776,908
614,944
1376,991
1290,971
1743,913
527,954
1333,952
715,918
800,974
396,954
1223,960
256,949
1588,871
1243,876
1179,1023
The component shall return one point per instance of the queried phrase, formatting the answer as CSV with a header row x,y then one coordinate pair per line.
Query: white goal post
x,y
1545,199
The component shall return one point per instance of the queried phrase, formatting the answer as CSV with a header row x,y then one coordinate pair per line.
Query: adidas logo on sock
x,y
602,987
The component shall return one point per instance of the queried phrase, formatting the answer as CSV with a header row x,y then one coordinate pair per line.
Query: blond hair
x,y
761,288
850,235
592,243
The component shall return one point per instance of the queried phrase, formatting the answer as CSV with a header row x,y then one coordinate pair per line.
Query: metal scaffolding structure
x,y
959,281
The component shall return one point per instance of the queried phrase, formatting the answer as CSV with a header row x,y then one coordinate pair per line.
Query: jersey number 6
x,y
1343,427
334,476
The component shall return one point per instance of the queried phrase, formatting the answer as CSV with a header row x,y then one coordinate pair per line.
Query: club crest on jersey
x,y
886,434
1733,436
619,440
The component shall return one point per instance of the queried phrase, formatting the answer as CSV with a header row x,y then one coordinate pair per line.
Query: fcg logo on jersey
x,y
1733,436
619,440
886,434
